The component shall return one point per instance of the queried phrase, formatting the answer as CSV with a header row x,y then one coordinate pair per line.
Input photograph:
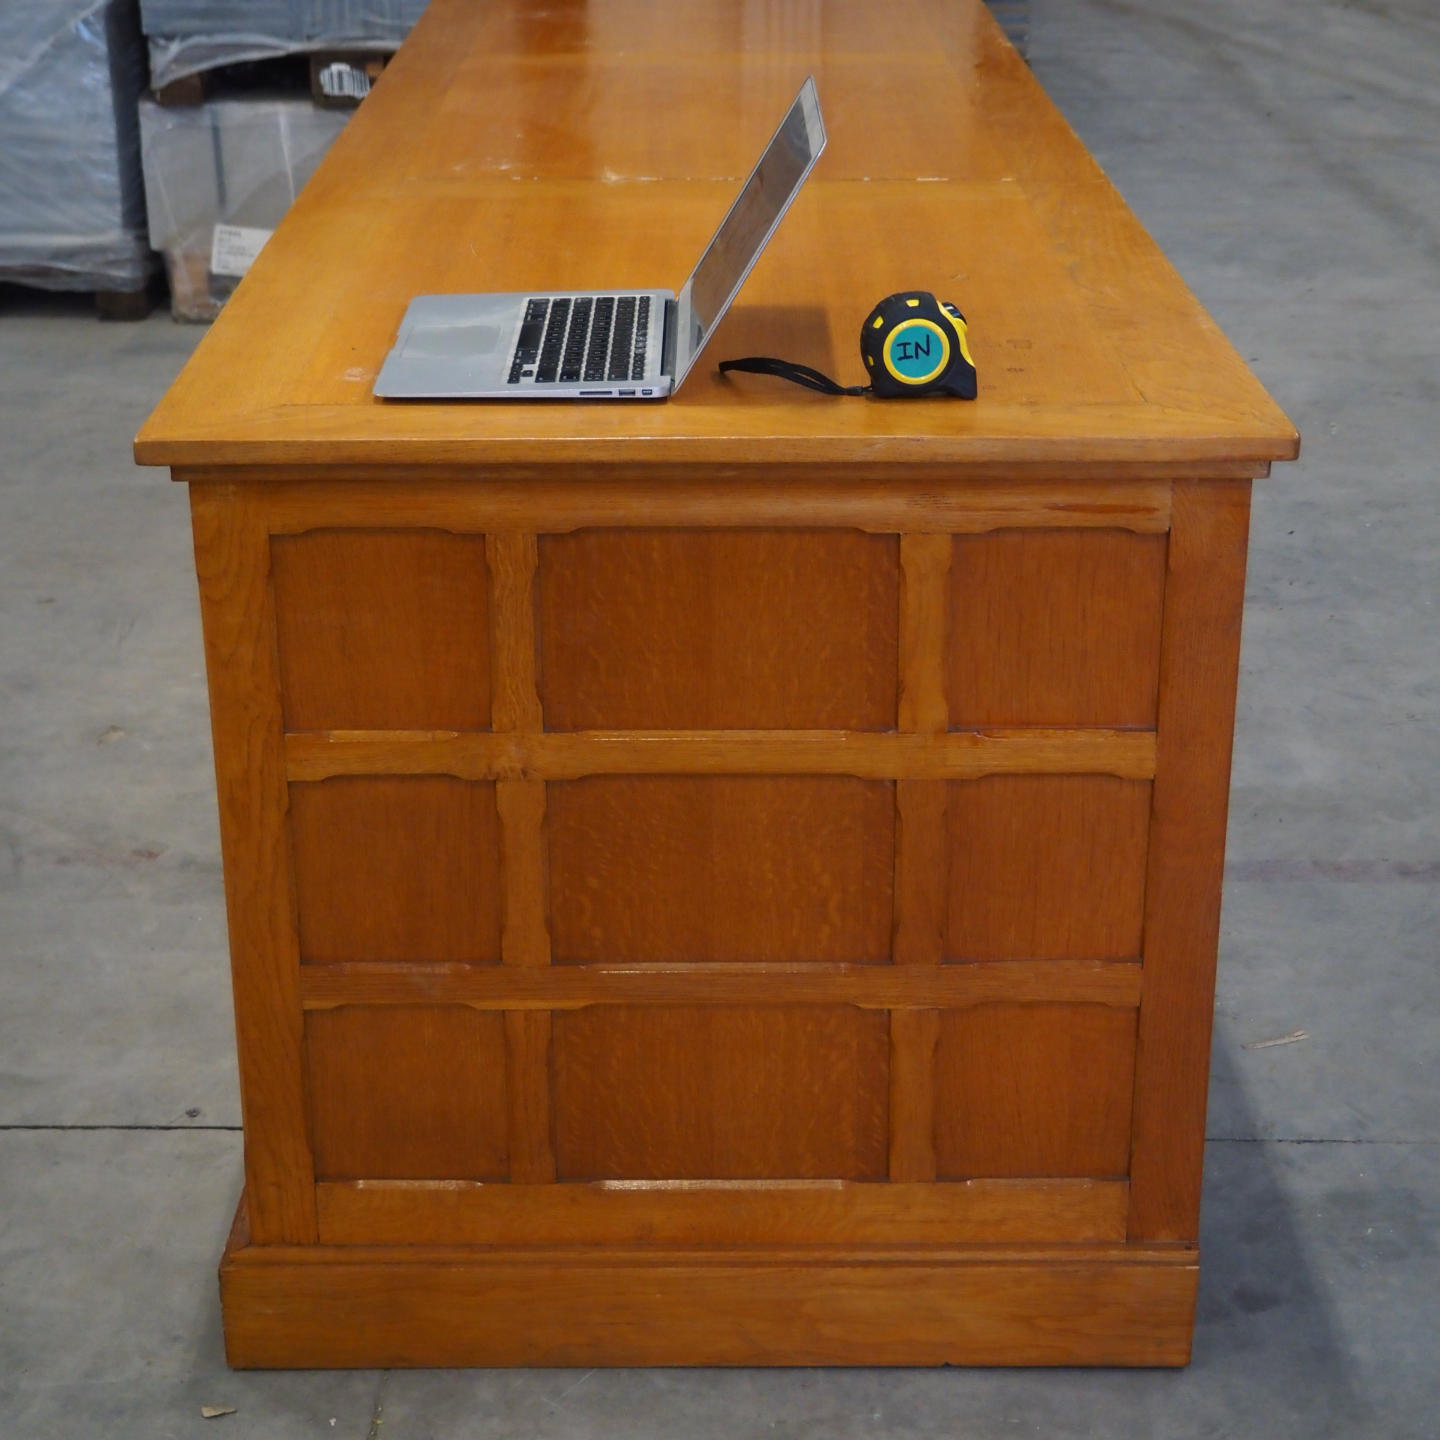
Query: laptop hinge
x,y
667,344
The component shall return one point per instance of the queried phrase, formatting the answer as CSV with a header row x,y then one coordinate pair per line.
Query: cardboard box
x,y
218,178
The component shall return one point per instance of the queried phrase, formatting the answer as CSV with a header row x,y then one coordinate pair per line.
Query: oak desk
x,y
733,880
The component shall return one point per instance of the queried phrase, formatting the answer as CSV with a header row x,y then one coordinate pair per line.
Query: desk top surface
x,y
512,146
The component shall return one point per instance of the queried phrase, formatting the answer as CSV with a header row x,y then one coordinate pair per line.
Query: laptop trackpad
x,y
453,342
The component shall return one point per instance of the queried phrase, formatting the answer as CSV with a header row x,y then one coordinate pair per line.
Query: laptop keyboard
x,y
582,338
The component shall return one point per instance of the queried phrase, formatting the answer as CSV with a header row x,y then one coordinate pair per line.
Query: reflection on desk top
x,y
513,147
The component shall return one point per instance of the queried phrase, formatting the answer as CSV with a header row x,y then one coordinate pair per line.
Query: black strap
x,y
789,370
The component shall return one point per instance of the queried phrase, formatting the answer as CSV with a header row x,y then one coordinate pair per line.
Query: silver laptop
x,y
601,344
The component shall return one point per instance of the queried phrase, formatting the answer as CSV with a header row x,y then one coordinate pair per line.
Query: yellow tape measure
x,y
911,343
914,344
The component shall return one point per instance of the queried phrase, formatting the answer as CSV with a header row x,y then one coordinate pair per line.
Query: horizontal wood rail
x,y
781,1212
870,987
956,755
475,499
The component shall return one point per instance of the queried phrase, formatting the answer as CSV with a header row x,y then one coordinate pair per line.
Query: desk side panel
x,y
1199,664
232,562
936,811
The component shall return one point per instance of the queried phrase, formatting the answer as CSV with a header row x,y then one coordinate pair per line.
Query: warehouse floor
x,y
1286,156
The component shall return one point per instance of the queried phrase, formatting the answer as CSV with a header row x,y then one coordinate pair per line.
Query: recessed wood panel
x,y
1032,1090
1055,627
699,868
406,1094
396,868
672,1093
720,629
1046,867
382,630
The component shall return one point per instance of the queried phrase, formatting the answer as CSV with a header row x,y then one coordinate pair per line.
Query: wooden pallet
x,y
109,304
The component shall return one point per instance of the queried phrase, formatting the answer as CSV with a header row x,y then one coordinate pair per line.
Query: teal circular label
x,y
916,351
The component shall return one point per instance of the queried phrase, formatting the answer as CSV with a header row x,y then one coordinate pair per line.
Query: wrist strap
x,y
796,374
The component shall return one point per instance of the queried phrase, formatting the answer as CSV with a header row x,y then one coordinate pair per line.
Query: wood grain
x,y
1198,669
922,848
924,632
729,1212
749,591
1047,867
295,1306
232,562
412,1093
914,1036
871,987
718,629
396,869
921,852
1055,628
680,1093
959,755
382,630
512,560
1119,365
503,115
524,861
524,872
1028,1090
921,496
721,869
530,1118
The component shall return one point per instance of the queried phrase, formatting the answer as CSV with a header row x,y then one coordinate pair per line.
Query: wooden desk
x,y
734,880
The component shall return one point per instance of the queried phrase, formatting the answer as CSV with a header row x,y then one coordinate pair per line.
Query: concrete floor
x,y
1287,156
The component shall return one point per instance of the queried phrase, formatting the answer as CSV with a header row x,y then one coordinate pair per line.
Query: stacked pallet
x,y
71,200
244,109
192,37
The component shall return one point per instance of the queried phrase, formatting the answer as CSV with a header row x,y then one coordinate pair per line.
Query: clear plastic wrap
x,y
188,36
72,208
234,164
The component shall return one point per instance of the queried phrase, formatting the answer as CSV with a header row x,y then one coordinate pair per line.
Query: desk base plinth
x,y
346,1306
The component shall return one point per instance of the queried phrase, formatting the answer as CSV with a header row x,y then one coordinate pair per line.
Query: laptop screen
x,y
752,219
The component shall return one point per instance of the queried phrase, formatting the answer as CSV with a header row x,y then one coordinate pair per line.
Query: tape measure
x,y
911,343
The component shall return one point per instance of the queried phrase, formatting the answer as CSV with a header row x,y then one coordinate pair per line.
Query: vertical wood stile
x,y
515,693
1199,660
924,632
525,936
920,856
232,562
